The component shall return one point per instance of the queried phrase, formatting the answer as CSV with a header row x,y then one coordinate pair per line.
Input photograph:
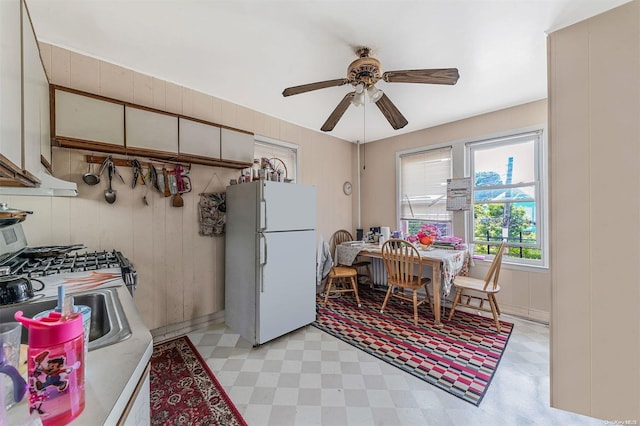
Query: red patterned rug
x,y
184,391
460,358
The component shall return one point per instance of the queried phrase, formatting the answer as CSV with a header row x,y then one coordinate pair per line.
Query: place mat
x,y
460,358
185,391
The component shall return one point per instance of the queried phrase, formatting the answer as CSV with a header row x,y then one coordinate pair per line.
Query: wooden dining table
x,y
442,261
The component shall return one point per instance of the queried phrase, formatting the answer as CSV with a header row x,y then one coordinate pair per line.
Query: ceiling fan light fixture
x,y
374,93
358,99
359,88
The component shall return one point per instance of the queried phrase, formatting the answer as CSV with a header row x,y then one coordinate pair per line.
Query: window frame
x,y
541,191
259,139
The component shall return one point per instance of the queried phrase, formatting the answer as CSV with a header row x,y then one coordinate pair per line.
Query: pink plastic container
x,y
55,365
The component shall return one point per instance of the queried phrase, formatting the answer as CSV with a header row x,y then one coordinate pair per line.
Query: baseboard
x,y
180,329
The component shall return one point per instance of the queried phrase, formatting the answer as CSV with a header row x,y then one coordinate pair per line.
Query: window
x,y
280,154
508,197
423,190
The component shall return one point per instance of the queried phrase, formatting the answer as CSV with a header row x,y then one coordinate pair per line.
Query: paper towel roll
x,y
385,231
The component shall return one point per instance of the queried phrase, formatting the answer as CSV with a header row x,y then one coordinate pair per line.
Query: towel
x,y
324,261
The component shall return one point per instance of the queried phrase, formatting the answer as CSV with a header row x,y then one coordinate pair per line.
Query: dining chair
x,y
481,290
404,272
342,279
342,236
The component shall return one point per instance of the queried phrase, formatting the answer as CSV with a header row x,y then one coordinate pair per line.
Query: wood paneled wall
x,y
594,103
181,274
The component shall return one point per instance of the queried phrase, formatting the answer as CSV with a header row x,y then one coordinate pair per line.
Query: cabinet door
x,y
199,139
89,119
151,130
236,146
35,95
10,84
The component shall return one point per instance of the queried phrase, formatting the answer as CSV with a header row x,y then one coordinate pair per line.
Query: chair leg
x,y
328,291
495,302
415,307
426,289
354,284
494,311
386,298
455,302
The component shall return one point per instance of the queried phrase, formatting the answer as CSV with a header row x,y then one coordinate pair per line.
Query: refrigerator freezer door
x,y
287,289
287,207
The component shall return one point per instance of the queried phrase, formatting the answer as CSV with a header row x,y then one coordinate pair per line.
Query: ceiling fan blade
x,y
314,86
391,113
337,113
428,76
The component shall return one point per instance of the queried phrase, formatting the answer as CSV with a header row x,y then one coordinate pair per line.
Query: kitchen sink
x,y
108,322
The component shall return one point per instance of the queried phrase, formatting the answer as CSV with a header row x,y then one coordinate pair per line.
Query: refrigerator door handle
x,y
263,259
263,215
263,207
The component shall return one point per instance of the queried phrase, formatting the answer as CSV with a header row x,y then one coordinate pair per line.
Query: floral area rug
x,y
184,391
460,358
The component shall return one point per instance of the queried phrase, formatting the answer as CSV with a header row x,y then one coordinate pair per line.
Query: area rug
x,y
184,391
460,358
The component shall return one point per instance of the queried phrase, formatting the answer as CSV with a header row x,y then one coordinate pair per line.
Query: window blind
x,y
423,185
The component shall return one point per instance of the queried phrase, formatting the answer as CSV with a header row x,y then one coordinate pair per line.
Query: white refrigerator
x,y
270,259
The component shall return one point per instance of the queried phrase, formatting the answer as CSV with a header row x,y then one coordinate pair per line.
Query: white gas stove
x,y
63,265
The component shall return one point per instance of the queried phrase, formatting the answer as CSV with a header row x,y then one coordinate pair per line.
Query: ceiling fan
x,y
363,74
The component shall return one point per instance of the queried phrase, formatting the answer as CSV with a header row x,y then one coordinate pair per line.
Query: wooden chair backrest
x,y
402,262
338,238
494,270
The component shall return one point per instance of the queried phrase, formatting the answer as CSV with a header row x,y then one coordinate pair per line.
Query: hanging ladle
x,y
109,193
91,178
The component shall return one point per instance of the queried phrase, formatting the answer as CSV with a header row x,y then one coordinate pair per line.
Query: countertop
x,y
111,374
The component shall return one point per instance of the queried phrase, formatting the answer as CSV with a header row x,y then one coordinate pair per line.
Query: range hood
x,y
49,186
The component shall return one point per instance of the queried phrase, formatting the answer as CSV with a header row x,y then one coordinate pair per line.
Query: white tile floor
x,y
311,378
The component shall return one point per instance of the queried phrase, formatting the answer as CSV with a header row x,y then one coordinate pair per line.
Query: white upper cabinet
x,y
35,105
10,82
236,146
88,119
200,139
151,130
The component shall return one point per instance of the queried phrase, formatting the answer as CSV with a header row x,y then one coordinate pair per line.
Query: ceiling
x,y
248,51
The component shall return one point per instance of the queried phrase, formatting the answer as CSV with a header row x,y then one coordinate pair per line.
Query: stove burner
x,y
34,267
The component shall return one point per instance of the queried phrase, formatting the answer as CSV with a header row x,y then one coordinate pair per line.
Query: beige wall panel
x,y
245,118
84,73
202,106
187,102
217,110
142,89
173,98
45,54
594,98
159,93
229,113
174,256
540,292
60,67
271,127
259,123
142,254
289,132
569,159
615,153
116,82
